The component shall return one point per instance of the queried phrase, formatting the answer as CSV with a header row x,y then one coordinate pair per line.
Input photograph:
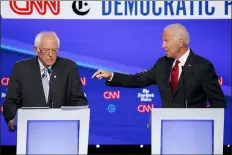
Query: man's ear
x,y
36,49
181,42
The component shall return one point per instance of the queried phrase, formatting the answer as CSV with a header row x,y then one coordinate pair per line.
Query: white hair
x,y
40,35
181,32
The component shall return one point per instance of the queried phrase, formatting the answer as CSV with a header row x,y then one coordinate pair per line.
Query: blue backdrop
x,y
118,116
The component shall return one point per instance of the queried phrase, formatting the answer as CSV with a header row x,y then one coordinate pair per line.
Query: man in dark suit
x,y
184,79
44,81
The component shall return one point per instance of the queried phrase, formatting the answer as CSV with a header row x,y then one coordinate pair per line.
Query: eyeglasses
x,y
47,50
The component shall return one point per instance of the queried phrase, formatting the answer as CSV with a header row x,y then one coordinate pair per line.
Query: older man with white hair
x,y
184,79
44,81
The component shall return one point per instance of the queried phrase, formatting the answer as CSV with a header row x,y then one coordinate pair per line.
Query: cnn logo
x,y
4,81
111,95
83,81
145,108
29,7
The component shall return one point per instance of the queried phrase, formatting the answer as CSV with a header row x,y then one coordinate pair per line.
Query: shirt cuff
x,y
111,77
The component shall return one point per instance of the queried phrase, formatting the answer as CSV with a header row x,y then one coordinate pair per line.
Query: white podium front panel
x,y
53,131
52,137
187,131
187,137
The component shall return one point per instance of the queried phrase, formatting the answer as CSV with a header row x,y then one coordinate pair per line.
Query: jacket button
x,y
174,103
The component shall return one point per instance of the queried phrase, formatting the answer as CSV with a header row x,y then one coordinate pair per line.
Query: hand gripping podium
x,y
53,131
187,131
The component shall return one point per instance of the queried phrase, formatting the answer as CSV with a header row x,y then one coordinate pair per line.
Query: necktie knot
x,y
177,62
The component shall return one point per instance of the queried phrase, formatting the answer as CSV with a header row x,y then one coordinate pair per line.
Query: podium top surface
x,y
68,113
187,113
63,107
186,110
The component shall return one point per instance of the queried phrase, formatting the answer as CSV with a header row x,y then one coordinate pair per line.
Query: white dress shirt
x,y
182,62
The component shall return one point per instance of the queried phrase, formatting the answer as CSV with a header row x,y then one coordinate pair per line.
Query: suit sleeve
x,y
138,80
212,88
77,95
13,96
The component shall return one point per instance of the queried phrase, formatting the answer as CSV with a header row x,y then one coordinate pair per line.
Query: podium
x,y
187,131
53,131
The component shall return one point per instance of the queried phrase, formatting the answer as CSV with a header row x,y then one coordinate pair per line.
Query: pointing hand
x,y
102,74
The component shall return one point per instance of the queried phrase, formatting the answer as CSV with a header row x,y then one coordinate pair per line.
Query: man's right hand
x,y
102,74
11,126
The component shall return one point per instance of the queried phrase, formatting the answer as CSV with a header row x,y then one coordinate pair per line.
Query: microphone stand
x,y
185,99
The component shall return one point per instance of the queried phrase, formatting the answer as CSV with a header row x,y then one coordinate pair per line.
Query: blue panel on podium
x,y
187,137
52,137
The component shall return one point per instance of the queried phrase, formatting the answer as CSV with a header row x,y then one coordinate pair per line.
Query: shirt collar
x,y
184,57
42,67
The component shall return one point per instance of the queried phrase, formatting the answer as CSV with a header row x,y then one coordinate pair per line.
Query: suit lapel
x,y
55,78
37,79
186,72
169,69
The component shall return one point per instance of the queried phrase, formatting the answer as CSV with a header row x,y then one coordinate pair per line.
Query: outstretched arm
x,y
137,80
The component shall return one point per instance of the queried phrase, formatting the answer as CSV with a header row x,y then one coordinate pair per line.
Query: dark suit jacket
x,y
25,87
199,78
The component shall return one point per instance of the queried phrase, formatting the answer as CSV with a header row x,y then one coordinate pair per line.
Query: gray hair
x,y
39,36
181,32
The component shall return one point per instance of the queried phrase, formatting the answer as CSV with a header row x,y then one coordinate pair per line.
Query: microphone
x,y
185,99
49,72
43,75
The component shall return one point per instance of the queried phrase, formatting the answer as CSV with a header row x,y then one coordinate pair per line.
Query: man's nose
x,y
163,45
50,53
